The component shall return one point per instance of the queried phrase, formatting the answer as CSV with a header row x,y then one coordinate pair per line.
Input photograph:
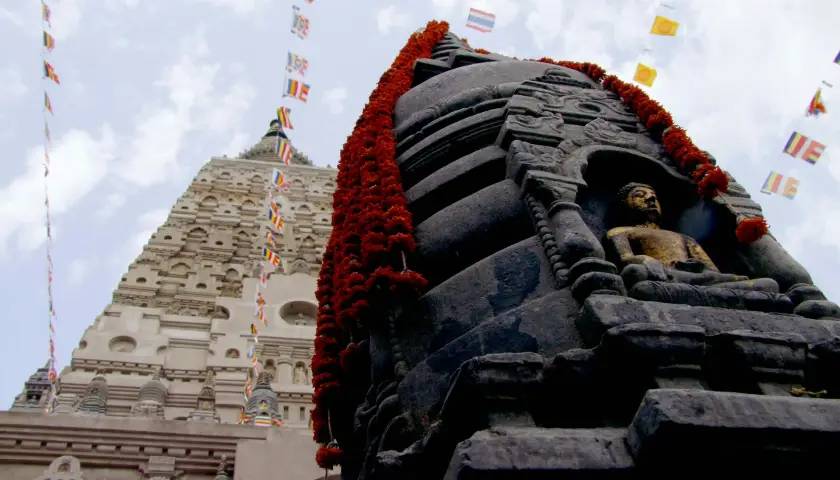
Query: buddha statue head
x,y
637,204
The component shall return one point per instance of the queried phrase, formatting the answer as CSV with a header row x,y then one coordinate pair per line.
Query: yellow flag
x,y
664,26
645,75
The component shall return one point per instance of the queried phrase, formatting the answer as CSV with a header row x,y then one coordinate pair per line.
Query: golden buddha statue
x,y
649,252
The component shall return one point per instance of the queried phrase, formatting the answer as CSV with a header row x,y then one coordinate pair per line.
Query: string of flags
x,y
662,26
800,146
49,75
293,85
295,88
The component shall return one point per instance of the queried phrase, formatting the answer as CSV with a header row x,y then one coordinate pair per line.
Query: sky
x,y
151,89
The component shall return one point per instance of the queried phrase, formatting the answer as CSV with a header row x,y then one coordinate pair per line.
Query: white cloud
x,y
110,205
237,144
78,271
227,112
334,99
11,16
391,17
149,223
11,84
194,103
241,7
78,163
66,17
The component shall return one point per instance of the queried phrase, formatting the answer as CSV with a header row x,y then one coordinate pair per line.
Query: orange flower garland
x,y
372,231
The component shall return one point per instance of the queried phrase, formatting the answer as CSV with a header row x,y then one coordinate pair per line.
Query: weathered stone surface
x,y
538,453
676,427
455,181
471,76
471,229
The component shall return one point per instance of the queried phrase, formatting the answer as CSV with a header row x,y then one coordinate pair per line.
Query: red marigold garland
x,y
751,229
692,161
372,230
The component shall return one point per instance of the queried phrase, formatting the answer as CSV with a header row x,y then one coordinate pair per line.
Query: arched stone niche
x,y
65,467
122,344
299,312
710,222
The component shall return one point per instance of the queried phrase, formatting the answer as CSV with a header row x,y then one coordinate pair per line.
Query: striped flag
x,y
275,219
791,186
771,184
296,89
300,24
49,72
277,178
775,180
837,59
272,257
816,105
45,13
47,103
480,20
283,116
284,150
296,63
270,240
799,145
49,41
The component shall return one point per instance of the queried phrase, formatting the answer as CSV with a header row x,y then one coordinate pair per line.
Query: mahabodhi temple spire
x,y
491,306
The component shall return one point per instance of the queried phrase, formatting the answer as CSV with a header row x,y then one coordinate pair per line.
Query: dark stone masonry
x,y
562,338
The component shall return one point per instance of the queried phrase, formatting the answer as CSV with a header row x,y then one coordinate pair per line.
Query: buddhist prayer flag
x,y
771,184
645,75
300,24
837,59
275,219
799,145
816,106
277,178
45,13
480,20
296,63
269,239
264,279
296,89
664,26
49,41
254,330
791,186
284,151
49,72
47,103
272,257
283,116
775,180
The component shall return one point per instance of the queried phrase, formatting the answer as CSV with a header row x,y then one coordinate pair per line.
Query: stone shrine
x,y
588,314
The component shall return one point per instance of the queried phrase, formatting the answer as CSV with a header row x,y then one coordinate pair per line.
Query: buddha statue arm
x,y
621,243
697,253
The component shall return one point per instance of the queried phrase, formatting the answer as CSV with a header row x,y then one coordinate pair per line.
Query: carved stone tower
x,y
186,303
588,313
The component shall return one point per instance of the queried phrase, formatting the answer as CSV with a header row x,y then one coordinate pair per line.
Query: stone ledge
x,y
516,453
677,427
